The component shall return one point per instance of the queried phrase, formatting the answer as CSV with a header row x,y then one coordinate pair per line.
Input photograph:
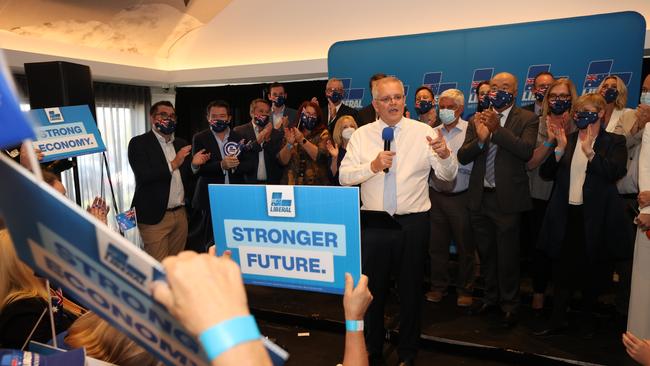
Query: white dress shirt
x,y
644,166
330,117
454,138
221,144
176,191
261,164
415,159
578,173
613,120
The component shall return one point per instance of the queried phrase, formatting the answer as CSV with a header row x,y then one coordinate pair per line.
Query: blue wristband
x,y
354,325
548,144
558,152
480,145
227,334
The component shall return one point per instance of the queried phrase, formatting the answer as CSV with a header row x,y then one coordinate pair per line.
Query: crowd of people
x,y
557,183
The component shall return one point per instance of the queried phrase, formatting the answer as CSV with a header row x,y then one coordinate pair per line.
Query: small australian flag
x,y
126,220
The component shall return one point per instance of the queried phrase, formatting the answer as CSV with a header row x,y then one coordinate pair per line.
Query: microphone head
x,y
388,133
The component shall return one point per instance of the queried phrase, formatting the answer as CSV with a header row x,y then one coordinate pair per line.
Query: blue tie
x,y
390,184
489,162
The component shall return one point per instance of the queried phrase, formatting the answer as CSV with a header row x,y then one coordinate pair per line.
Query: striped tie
x,y
489,162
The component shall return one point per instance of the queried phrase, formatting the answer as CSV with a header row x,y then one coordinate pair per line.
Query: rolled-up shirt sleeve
x,y
353,171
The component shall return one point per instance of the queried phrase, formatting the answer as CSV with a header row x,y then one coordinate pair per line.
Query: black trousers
x,y
537,260
403,251
497,239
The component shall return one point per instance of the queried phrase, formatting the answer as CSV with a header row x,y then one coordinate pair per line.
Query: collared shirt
x,y
578,174
644,166
454,140
277,114
502,122
176,191
538,109
221,144
329,116
414,161
261,164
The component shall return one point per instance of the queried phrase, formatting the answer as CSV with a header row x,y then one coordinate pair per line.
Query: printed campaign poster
x,y
64,132
296,237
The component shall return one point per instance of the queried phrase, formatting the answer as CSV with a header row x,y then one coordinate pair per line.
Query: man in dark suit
x,y
368,114
335,108
213,166
499,141
281,115
161,165
540,85
259,162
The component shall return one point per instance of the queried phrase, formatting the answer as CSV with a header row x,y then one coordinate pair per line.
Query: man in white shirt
x,y
395,181
449,212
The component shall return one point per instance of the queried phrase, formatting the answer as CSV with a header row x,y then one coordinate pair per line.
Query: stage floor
x,y
450,335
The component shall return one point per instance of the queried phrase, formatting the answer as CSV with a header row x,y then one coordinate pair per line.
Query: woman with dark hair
x,y
305,153
482,91
425,106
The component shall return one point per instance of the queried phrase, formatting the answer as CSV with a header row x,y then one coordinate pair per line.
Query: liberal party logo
x,y
280,201
434,81
353,97
478,76
598,71
533,71
53,115
120,261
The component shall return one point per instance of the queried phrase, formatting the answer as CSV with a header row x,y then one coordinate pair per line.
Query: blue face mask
x,y
218,125
645,98
558,107
261,121
423,106
308,122
336,97
610,95
484,103
584,119
539,95
447,116
166,126
279,101
501,99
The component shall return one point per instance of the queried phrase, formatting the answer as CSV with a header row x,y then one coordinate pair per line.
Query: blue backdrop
x,y
585,49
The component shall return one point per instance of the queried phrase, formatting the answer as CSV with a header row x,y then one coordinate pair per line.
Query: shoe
x,y
552,331
435,295
464,301
509,319
487,309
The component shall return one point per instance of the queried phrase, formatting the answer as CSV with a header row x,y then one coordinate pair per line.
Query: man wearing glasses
x,y
335,108
162,172
395,181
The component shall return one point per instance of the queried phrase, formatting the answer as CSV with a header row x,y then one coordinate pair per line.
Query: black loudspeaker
x,y
59,84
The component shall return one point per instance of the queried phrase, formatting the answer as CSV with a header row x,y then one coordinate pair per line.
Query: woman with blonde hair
x,y
106,343
23,301
343,130
614,91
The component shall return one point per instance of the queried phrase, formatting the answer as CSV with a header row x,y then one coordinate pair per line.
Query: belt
x,y
489,189
174,208
451,194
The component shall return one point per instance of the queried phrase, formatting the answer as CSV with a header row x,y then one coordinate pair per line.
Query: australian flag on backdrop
x,y
126,220
596,73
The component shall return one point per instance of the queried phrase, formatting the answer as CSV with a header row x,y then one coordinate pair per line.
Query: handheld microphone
x,y
387,135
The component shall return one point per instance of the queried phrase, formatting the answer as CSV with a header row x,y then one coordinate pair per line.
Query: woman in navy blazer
x,y
583,229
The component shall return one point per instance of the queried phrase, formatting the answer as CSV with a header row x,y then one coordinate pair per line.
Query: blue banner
x,y
64,132
299,237
14,123
585,49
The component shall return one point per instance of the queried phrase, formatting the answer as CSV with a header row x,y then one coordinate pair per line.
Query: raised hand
x,y
180,156
439,145
384,160
200,158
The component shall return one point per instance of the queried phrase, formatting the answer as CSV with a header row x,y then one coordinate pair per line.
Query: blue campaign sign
x,y
296,237
462,58
92,264
14,123
64,132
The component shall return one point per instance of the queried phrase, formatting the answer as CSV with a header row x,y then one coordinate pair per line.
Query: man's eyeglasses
x,y
387,99
553,97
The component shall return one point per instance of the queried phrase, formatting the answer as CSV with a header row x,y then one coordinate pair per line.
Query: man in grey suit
x,y
499,141
281,115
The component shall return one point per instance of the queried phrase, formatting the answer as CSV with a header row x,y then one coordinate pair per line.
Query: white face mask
x,y
645,98
347,133
447,116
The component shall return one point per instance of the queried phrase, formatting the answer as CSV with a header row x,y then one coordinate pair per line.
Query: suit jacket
x,y
516,141
290,113
211,172
343,111
367,115
529,107
249,160
606,231
153,178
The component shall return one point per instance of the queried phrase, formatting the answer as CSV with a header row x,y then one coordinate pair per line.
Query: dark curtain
x,y
191,102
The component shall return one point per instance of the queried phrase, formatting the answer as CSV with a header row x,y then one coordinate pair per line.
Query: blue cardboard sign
x,y
64,132
95,265
302,237
474,55
14,123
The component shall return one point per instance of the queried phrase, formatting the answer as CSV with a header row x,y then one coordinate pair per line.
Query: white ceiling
x,y
161,42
